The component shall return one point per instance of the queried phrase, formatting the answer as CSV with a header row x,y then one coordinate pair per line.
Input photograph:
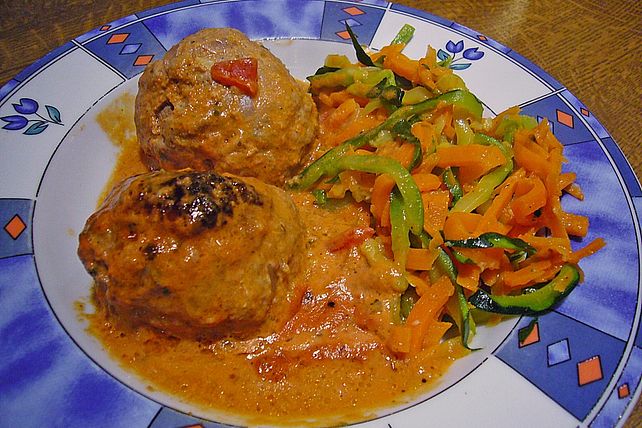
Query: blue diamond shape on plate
x,y
130,49
558,352
351,22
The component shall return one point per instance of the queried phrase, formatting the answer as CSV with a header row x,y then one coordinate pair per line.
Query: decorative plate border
x,y
596,381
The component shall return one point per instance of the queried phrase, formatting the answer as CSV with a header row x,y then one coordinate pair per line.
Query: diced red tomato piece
x,y
240,73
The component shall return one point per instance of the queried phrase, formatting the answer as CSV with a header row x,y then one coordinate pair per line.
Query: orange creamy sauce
x,y
327,365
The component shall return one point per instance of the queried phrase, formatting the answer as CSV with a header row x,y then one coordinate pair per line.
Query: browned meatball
x,y
185,119
194,254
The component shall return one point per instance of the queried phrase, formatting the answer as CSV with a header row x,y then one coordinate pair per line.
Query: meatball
x,y
194,254
185,119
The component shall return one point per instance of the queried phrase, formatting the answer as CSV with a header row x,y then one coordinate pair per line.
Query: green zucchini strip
x,y
531,301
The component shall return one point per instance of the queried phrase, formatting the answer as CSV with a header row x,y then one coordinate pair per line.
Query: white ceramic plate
x,y
580,366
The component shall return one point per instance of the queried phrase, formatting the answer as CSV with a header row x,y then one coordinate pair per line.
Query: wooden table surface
x,y
592,47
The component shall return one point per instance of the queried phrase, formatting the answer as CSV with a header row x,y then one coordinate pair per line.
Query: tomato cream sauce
x,y
328,364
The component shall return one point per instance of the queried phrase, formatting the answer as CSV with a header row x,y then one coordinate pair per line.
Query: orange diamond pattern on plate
x,y
585,112
143,59
482,38
354,11
117,38
15,227
343,34
533,336
105,27
589,370
623,391
565,118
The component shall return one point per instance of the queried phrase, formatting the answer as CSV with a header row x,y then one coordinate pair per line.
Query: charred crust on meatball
x,y
203,198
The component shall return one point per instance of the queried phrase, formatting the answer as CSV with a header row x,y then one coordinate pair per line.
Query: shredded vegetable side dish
x,y
311,254
455,198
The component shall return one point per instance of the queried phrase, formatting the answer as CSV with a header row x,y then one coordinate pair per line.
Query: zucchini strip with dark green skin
x,y
399,228
493,240
362,56
446,264
325,70
317,169
407,302
452,183
487,184
484,189
412,203
457,255
531,301
403,129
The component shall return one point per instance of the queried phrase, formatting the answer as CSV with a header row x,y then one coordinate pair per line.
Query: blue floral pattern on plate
x,y
27,110
449,59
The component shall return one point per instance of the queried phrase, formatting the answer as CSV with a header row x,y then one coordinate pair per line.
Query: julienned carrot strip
x,y
420,284
428,164
345,121
566,179
385,215
513,111
334,99
476,156
529,159
325,100
354,127
468,276
575,191
433,333
425,74
575,225
430,304
394,60
427,309
430,60
425,133
420,259
460,225
435,210
543,245
495,226
449,130
567,184
485,258
427,182
399,340
553,207
545,137
534,272
531,200
404,154
491,217
591,248
342,114
383,185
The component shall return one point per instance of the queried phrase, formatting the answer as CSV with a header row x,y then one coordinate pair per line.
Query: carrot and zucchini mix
x,y
466,208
